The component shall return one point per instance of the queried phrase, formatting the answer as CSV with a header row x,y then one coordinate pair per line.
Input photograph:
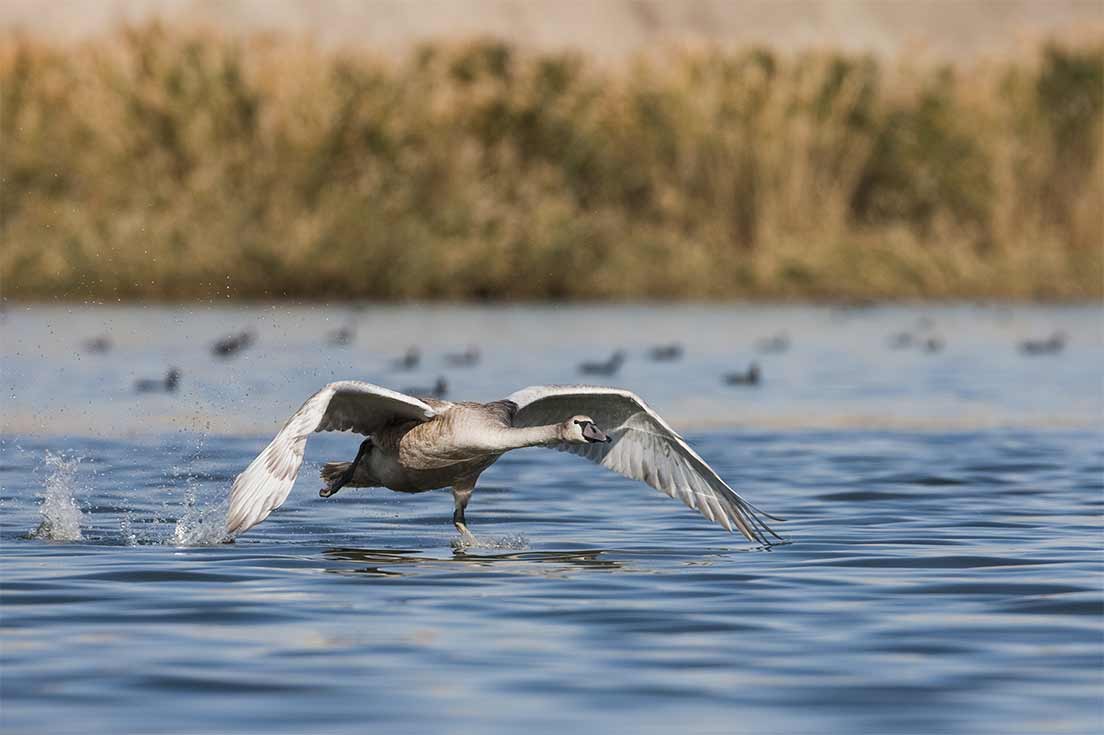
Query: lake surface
x,y
944,571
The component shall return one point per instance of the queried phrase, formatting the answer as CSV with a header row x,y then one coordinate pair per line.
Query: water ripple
x,y
935,581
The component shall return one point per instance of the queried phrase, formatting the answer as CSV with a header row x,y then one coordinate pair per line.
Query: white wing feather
x,y
349,405
642,447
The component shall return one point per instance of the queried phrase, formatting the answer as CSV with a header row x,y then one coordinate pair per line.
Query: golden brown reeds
x,y
169,164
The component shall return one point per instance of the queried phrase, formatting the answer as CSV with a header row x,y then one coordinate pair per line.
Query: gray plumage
x,y
416,445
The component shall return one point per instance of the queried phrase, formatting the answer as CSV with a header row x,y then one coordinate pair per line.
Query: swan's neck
x,y
505,439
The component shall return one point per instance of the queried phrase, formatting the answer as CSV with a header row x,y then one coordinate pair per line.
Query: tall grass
x,y
169,164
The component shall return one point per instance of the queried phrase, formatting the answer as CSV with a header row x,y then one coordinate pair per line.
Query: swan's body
x,y
417,444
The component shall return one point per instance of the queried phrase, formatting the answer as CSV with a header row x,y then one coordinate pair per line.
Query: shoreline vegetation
x,y
171,165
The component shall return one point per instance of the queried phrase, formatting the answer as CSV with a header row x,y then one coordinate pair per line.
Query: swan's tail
x,y
331,471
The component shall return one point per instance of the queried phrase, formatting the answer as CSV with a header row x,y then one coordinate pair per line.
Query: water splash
x,y
61,516
199,521
516,542
126,530
201,524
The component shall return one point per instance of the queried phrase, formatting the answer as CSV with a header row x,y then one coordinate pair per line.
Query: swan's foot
x,y
466,536
462,494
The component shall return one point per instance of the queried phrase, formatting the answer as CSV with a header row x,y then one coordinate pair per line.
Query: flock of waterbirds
x,y
922,337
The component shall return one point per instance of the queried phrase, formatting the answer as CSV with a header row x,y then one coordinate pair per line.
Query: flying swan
x,y
419,444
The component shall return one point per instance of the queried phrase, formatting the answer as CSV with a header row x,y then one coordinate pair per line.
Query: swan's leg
x,y
461,493
347,475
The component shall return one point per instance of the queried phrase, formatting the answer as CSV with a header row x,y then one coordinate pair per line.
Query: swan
x,y
416,444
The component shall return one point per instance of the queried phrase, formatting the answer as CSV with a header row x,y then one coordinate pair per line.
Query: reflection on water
x,y
389,562
944,580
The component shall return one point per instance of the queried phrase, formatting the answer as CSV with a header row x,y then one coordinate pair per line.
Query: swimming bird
x,y
900,341
414,445
98,345
609,367
932,344
232,344
1052,345
168,384
666,353
467,358
439,390
774,344
408,361
751,376
341,336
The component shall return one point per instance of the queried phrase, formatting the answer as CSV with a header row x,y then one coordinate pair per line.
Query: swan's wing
x,y
642,447
349,405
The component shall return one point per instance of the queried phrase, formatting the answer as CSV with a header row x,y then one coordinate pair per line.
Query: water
x,y
945,570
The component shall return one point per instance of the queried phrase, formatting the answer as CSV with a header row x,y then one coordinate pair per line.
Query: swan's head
x,y
582,430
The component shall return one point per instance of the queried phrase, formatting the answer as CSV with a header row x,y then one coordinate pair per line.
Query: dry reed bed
x,y
170,164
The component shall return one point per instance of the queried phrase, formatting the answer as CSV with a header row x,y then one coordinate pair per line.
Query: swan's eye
x,y
582,424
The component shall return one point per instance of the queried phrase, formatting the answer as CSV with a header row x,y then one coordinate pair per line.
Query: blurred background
x,y
265,195
488,150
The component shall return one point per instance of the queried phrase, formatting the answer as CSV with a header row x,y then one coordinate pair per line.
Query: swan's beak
x,y
593,434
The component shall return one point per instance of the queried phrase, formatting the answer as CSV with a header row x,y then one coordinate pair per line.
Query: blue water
x,y
945,571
